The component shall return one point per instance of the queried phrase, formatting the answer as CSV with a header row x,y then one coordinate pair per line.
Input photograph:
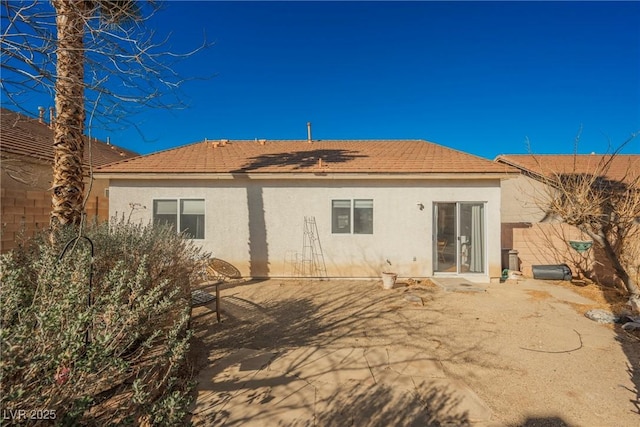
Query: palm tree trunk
x,y
68,130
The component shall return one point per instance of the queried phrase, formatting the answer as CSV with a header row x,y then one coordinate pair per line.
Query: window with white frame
x,y
185,215
352,216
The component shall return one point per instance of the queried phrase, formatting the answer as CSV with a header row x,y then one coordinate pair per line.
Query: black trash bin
x,y
552,272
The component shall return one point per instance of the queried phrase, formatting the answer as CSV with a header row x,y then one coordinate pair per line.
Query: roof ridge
x,y
337,156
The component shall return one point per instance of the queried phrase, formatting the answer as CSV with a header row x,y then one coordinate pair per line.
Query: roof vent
x,y
262,141
309,132
223,142
41,114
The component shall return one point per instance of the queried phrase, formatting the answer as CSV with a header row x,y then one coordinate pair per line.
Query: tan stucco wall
x,y
521,198
520,207
258,224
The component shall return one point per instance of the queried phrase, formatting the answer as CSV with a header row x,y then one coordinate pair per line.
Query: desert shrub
x,y
113,359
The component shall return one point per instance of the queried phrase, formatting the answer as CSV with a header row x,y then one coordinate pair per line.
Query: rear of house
x,y
323,208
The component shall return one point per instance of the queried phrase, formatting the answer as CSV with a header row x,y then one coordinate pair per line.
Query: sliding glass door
x,y
459,238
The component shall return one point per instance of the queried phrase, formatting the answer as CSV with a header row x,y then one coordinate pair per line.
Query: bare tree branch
x,y
128,66
93,55
603,205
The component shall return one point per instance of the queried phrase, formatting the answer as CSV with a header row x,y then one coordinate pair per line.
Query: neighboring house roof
x,y
301,156
623,167
25,136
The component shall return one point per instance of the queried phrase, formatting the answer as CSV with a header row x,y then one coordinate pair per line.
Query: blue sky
x,y
481,77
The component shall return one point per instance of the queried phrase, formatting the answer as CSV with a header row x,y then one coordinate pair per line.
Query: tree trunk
x,y
603,242
68,129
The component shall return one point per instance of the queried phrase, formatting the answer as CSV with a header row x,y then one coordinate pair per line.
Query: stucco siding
x,y
521,199
258,224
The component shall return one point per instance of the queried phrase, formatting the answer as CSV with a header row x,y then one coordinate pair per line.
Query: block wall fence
x,y
24,212
548,243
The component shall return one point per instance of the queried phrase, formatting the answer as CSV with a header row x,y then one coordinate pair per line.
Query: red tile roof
x,y
331,156
25,136
623,167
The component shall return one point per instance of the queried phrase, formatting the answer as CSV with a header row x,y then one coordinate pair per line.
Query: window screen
x,y
166,212
341,216
363,216
192,218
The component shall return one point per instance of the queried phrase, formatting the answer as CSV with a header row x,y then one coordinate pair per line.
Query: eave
x,y
304,175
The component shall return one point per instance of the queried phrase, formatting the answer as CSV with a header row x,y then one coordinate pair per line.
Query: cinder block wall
x,y
548,243
25,211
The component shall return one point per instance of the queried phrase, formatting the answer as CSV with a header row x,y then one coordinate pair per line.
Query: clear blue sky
x,y
481,77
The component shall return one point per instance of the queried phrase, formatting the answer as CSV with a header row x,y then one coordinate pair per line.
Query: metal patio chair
x,y
216,272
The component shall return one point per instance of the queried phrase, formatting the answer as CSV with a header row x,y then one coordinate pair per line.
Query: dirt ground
x,y
526,349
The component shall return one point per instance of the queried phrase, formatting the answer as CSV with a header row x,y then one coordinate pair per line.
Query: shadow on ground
x,y
336,333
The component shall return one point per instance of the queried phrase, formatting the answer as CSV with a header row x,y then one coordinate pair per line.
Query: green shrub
x,y
113,359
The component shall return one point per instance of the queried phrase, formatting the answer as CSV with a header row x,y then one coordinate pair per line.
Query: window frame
x,y
353,217
179,202
336,218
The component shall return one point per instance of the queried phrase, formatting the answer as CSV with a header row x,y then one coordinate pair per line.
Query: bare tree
x,y
604,207
95,56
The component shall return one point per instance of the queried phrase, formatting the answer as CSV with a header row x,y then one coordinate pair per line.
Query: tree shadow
x,y
258,244
382,405
317,160
305,341
630,343
543,422
299,160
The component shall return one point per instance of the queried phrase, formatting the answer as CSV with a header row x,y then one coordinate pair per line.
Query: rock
x,y
601,316
631,326
414,298
515,275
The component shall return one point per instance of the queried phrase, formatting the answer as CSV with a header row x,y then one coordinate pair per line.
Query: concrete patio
x,y
336,353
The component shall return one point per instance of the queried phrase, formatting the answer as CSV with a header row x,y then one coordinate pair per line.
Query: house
x,y
26,149
335,208
543,240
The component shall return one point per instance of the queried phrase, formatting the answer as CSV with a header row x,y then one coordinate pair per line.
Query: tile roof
x,y
624,167
330,156
25,136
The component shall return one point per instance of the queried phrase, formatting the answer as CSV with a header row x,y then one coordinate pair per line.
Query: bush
x,y
98,340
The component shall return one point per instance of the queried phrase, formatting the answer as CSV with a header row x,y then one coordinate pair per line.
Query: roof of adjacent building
x,y
622,167
301,156
30,137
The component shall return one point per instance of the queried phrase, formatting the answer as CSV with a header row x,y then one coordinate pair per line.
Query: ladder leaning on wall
x,y
312,263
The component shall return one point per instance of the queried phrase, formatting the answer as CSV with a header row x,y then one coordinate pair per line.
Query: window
x,y
165,212
341,213
191,218
360,210
363,216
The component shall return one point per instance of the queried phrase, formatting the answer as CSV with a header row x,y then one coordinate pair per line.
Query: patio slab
x,y
334,353
345,386
458,284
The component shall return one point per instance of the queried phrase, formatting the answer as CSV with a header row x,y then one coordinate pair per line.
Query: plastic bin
x,y
551,272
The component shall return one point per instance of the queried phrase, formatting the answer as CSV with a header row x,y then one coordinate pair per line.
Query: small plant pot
x,y
388,280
